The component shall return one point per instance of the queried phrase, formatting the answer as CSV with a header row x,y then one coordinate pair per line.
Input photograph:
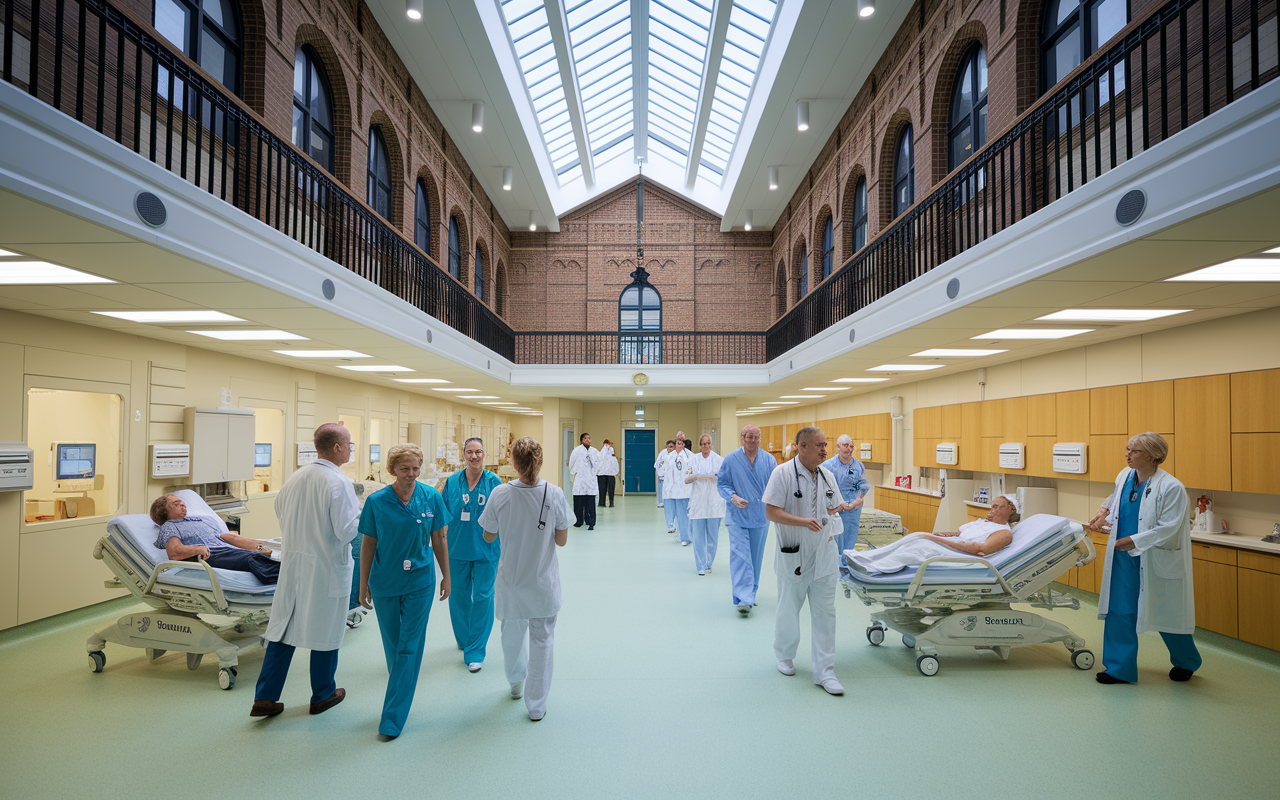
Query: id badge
x,y
465,516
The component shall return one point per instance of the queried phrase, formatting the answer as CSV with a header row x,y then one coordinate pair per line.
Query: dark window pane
x,y
319,100
218,59
321,146
223,12
300,76
173,22
1059,10
299,127
1106,18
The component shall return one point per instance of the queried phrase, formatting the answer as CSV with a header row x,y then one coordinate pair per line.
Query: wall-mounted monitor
x,y
74,461
375,454
261,455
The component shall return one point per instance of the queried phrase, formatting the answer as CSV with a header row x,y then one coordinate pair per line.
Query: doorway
x,y
638,453
566,447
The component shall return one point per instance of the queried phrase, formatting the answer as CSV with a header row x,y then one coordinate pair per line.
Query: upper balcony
x,y
1180,64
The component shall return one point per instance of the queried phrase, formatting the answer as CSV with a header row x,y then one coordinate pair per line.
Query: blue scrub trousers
x,y
660,498
275,668
678,507
355,574
402,618
849,538
1120,628
471,605
669,511
746,555
706,540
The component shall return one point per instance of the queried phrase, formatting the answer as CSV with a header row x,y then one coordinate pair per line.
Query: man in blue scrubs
x,y
851,477
743,476
473,562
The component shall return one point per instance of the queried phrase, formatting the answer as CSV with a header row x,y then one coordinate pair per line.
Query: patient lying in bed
x,y
978,538
185,538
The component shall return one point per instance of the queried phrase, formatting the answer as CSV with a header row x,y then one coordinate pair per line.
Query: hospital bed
x,y
877,528
196,609
966,601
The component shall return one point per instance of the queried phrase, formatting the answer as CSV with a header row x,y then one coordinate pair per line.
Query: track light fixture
x,y
477,116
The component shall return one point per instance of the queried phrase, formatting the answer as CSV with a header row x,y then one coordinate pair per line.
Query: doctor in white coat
x,y
1146,580
319,516
802,500
582,471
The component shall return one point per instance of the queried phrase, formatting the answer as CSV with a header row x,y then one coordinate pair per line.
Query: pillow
x,y
197,507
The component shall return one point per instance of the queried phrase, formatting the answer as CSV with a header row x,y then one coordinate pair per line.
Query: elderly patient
x,y
198,538
978,538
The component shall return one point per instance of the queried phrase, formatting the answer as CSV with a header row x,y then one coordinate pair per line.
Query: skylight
x,y
535,52
679,31
600,39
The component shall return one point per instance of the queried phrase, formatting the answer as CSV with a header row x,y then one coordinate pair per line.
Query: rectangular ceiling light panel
x,y
374,368
679,33
904,367
322,353
1241,270
17,273
421,380
251,336
943,352
1033,333
600,41
170,316
1110,314
530,35
859,380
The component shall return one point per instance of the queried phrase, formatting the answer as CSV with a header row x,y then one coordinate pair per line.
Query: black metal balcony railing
x,y
649,347
1174,68
90,61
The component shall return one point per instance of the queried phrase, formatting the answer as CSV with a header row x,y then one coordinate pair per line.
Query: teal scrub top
x,y
402,562
466,542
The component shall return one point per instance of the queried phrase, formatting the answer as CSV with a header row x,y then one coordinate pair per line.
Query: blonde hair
x,y
526,457
159,509
400,452
1153,444
706,436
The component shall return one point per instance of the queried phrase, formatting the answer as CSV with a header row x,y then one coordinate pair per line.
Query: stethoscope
x,y
799,494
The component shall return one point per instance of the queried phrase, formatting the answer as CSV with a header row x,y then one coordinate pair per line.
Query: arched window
x,y
500,290
208,31
312,108
904,173
804,270
1073,30
828,248
422,219
860,215
379,174
639,309
780,290
455,249
967,128
479,276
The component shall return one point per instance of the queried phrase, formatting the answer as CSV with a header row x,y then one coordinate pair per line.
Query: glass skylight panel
x,y
536,54
600,41
750,22
679,32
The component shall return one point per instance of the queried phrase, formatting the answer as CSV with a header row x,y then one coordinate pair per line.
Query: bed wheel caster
x,y
875,635
153,654
193,661
1082,659
97,660
908,641
928,666
227,677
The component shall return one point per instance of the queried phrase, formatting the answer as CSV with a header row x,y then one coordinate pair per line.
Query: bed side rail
x,y
164,566
920,571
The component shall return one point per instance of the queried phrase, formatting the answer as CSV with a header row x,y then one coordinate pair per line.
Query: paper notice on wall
x,y
306,453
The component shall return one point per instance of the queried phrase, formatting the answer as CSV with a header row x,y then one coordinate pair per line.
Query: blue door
x,y
638,455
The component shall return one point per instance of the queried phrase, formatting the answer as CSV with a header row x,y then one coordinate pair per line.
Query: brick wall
x,y
708,280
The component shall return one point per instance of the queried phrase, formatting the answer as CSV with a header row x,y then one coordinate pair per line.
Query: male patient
x,y
978,538
190,538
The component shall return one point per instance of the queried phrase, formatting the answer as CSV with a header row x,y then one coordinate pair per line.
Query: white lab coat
x,y
1166,601
319,516
608,462
678,464
528,580
705,501
582,470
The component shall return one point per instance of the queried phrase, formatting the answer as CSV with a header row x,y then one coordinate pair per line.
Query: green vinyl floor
x,y
660,690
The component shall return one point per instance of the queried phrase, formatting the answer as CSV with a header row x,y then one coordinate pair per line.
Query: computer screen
x,y
76,461
261,455
375,454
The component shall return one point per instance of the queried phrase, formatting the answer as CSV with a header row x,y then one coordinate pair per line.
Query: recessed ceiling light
x,y
1240,270
801,396
859,380
497,404
943,352
322,353
251,336
483,397
1033,333
454,389
421,380
4,253
1274,251
825,389
170,316
1111,314
18,273
905,367
374,368
780,403
639,392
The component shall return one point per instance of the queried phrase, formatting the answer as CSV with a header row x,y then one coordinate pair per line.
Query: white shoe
x,y
708,570
744,610
702,572
832,686
356,615
517,690
685,544
474,666
786,667
671,530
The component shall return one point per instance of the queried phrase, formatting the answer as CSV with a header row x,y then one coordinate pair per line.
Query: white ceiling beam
x,y
715,50
558,24
640,73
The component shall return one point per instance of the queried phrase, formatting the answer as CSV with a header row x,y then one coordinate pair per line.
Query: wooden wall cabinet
x,y
1253,401
927,423
1042,415
1213,571
1106,456
952,424
1072,413
993,417
1259,594
1150,407
1253,462
1202,418
1109,410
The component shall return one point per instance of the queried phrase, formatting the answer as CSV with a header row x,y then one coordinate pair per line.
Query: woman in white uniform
x,y
706,506
532,517
1146,580
679,465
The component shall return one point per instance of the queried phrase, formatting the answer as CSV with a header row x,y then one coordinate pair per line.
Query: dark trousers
x,y
262,566
275,667
584,510
606,483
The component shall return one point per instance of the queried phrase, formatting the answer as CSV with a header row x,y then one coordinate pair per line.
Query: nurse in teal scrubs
x,y
402,525
473,562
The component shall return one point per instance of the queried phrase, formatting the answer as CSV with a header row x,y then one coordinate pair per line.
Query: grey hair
x,y
473,439
806,432
1153,444
844,438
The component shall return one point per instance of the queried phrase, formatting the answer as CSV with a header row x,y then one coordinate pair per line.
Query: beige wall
x,y
1232,344
48,568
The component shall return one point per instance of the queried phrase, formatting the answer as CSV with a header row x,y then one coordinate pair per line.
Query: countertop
x,y
1239,541
920,492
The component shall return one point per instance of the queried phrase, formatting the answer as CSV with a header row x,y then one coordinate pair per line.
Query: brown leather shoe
x,y
337,697
265,708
